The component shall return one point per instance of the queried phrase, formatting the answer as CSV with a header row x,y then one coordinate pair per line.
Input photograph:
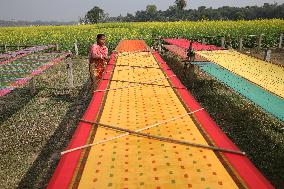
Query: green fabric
x,y
266,100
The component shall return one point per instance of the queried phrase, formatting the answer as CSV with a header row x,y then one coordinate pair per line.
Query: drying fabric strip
x,y
268,76
182,53
14,75
267,101
184,43
9,57
138,162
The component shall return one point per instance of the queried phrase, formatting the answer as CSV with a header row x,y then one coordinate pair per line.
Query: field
x,y
86,34
36,128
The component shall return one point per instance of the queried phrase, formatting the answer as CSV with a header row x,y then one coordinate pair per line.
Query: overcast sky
x,y
71,10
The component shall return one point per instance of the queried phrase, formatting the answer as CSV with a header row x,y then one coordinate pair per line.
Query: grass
x,y
35,129
257,133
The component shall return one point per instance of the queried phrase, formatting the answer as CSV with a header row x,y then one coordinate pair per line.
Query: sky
x,y
71,10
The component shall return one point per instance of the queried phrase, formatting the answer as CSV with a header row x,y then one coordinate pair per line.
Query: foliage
x,y
65,36
94,15
181,4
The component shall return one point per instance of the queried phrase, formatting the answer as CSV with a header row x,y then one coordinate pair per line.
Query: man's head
x,y
101,39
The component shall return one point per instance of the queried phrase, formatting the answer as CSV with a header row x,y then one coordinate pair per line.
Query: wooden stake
x,y
70,74
76,48
259,42
280,40
32,86
203,41
267,54
241,43
223,42
57,47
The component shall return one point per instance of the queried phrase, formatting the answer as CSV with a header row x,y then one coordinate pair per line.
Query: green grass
x,y
35,129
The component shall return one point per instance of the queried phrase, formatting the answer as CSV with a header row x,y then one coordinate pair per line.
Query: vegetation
x,y
36,128
178,12
65,36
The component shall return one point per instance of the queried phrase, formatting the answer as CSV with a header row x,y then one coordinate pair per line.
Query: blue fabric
x,y
261,97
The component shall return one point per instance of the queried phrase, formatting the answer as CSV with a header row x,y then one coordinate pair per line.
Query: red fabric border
x,y
247,171
64,171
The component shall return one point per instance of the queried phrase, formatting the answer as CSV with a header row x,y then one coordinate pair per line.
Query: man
x,y
98,58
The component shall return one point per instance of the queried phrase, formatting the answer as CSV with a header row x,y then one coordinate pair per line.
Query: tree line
x,y
178,12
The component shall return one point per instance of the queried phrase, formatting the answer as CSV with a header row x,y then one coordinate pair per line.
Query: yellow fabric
x,y
136,162
267,75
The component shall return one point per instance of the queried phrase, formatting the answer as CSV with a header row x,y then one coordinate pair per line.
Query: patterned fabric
x,y
96,67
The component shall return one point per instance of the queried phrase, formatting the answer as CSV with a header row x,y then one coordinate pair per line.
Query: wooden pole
x,y
259,42
267,54
241,43
280,40
57,47
170,140
32,86
70,74
76,48
203,41
223,42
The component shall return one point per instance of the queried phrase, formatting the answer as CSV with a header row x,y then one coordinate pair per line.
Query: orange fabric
x,y
132,45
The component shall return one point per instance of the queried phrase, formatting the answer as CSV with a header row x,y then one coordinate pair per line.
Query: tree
x,y
95,15
181,4
151,9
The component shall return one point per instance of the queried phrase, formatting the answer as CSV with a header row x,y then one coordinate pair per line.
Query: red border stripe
x,y
249,173
65,170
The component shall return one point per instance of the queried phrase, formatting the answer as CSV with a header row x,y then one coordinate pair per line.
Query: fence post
x,y
76,48
70,74
57,47
32,86
259,41
203,41
223,42
5,48
241,43
267,54
280,40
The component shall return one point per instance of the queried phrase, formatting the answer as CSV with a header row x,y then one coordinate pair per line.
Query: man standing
x,y
98,58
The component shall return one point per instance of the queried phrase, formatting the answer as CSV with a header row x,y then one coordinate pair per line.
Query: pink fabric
x,y
99,50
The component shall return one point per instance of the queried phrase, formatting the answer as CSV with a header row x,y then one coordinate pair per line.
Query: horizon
x,y
27,14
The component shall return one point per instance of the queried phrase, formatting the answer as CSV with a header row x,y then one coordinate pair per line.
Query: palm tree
x,y
181,4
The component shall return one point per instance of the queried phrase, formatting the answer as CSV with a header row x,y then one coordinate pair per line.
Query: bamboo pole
x,y
259,41
70,74
223,42
280,40
76,48
165,139
241,43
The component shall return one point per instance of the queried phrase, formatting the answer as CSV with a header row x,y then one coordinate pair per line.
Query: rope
x,y
120,54
145,67
136,84
120,136
126,81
